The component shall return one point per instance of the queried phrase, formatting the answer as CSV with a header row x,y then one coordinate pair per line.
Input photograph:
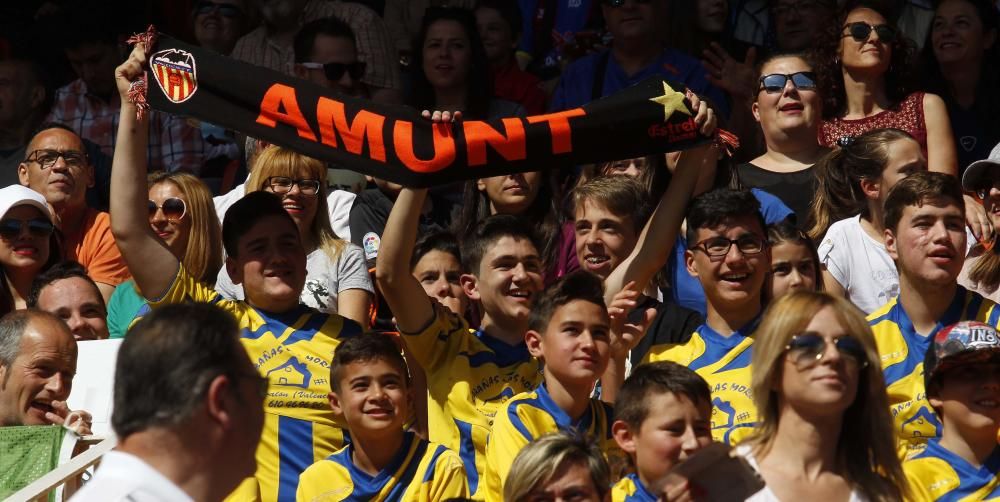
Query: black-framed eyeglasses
x,y
807,349
173,209
11,229
283,184
619,3
860,31
47,158
718,247
775,82
335,71
225,10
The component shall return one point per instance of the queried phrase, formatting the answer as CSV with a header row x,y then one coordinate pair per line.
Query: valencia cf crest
x,y
174,71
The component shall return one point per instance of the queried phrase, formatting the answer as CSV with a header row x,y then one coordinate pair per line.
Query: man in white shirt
x,y
188,411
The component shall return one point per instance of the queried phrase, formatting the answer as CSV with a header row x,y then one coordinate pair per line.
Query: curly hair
x,y
899,79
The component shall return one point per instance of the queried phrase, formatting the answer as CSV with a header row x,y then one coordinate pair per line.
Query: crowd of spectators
x,y
821,299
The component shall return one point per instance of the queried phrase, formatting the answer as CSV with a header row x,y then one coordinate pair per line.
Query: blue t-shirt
x,y
686,290
576,87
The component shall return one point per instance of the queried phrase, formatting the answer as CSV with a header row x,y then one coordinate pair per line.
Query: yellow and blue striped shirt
x,y
469,376
630,489
937,474
724,362
529,416
902,350
293,350
420,472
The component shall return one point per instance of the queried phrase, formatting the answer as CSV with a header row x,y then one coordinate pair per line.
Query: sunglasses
x,y
807,349
173,209
619,3
11,229
860,31
775,82
335,71
225,10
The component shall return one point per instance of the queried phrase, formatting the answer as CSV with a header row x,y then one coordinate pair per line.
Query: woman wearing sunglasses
x,y
788,107
864,68
824,423
181,213
337,279
28,244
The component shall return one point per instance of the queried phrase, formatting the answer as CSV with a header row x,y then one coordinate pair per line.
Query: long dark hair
x,y
987,105
898,79
544,213
478,83
55,256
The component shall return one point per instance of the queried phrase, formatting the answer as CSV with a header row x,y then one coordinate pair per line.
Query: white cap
x,y
977,169
16,195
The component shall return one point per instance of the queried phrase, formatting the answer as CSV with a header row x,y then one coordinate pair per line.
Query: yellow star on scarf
x,y
672,101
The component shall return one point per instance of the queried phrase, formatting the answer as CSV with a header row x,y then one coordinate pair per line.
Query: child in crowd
x,y
794,263
569,332
559,466
469,372
728,253
925,236
662,415
962,378
383,462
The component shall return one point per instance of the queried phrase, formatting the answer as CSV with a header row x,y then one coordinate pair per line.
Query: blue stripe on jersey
x,y
429,473
500,354
739,362
970,478
255,334
405,477
467,451
309,329
717,346
295,453
916,343
515,419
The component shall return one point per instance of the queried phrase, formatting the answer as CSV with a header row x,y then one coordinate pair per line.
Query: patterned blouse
x,y
908,115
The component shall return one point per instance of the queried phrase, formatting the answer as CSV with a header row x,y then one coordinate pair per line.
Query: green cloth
x,y
124,307
26,454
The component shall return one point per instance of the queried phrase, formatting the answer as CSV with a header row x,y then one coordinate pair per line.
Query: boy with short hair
x,y
383,461
962,378
728,253
656,399
925,235
470,373
570,333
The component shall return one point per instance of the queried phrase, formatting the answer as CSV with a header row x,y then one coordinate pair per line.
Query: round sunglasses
x,y
11,229
173,209
807,349
775,82
860,31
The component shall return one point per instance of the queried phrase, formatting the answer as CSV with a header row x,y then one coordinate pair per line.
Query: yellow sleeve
x,y
186,288
504,443
928,479
247,491
434,346
321,481
449,479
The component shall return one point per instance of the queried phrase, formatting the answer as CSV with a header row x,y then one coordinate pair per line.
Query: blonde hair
x,y
866,450
203,254
541,460
277,161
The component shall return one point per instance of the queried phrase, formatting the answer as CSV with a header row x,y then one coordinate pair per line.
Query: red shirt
x,y
514,84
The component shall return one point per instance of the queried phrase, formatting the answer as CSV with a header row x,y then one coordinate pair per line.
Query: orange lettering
x,y
332,120
479,134
279,97
444,147
562,138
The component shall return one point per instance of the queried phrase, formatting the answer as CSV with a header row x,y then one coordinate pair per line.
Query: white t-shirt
x,y
339,203
125,477
324,279
860,264
765,494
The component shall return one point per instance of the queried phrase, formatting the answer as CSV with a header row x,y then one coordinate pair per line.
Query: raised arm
x,y
407,299
153,266
941,155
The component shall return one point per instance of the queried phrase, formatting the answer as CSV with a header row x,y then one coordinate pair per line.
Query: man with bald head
x,y
56,165
37,366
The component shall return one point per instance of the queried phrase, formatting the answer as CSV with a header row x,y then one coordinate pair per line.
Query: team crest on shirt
x,y
291,374
371,243
174,71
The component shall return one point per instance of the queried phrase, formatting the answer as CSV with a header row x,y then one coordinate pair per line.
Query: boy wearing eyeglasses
x,y
728,254
962,378
925,235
